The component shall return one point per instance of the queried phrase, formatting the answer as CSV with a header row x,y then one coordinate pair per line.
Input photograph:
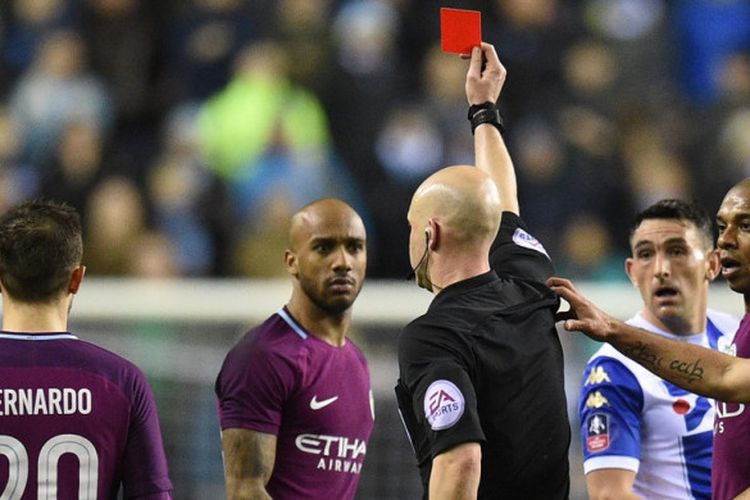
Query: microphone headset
x,y
427,236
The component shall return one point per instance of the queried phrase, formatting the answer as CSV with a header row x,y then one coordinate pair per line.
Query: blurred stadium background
x,y
187,131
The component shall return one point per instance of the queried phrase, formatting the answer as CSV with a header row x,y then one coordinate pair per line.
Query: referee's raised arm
x,y
484,81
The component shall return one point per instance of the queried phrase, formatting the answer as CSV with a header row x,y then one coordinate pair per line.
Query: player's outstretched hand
x,y
583,315
486,75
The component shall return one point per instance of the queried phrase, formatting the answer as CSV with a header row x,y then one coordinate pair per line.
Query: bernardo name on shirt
x,y
45,401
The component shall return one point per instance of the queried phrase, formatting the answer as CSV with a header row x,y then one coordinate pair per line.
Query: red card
x,y
460,30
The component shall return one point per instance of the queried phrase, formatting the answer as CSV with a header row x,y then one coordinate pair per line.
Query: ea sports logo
x,y
443,404
438,399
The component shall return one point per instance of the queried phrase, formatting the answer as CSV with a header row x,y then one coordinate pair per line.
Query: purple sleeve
x,y
252,387
145,475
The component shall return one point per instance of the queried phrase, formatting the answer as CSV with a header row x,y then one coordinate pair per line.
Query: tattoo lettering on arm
x,y
641,353
689,371
692,371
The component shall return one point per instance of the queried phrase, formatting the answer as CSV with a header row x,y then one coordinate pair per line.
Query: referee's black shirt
x,y
484,364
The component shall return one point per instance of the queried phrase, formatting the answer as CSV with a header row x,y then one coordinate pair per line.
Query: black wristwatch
x,y
486,112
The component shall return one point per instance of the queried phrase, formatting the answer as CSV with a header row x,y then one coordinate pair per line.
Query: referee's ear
x,y
433,234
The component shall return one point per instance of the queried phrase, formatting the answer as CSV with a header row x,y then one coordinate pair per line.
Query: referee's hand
x,y
486,75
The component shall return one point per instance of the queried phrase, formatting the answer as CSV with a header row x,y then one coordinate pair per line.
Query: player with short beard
x,y
290,428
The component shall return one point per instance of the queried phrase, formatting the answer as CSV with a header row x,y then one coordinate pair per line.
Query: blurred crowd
x,y
187,131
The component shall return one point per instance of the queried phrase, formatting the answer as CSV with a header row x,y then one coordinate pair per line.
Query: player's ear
x,y
290,259
713,267
76,277
629,271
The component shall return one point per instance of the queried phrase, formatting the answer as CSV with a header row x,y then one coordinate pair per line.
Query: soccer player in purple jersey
x,y
76,421
702,371
295,403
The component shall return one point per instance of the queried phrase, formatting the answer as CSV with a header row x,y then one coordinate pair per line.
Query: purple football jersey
x,y
730,474
316,398
76,422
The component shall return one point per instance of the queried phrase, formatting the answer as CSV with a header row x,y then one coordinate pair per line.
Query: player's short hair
x,y
40,246
678,210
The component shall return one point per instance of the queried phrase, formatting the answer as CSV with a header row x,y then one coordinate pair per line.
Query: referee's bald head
x,y
464,199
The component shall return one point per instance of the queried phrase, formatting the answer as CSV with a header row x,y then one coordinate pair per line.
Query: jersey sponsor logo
x,y
597,432
337,453
524,239
596,400
317,405
729,410
48,401
443,404
597,376
725,411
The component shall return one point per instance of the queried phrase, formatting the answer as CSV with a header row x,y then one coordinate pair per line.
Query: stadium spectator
x,y
27,24
481,373
62,396
290,428
178,189
586,249
203,39
55,90
304,27
117,216
653,439
75,167
19,180
706,33
121,36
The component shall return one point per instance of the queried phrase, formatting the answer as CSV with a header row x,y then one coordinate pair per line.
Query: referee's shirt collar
x,y
468,284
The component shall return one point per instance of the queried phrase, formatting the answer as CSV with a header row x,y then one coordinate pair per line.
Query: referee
x,y
481,373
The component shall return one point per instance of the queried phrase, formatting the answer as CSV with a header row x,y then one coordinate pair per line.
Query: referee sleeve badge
x,y
443,404
524,239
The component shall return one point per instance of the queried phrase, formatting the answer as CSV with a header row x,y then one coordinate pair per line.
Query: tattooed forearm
x,y
249,454
692,371
248,463
263,449
641,353
687,370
